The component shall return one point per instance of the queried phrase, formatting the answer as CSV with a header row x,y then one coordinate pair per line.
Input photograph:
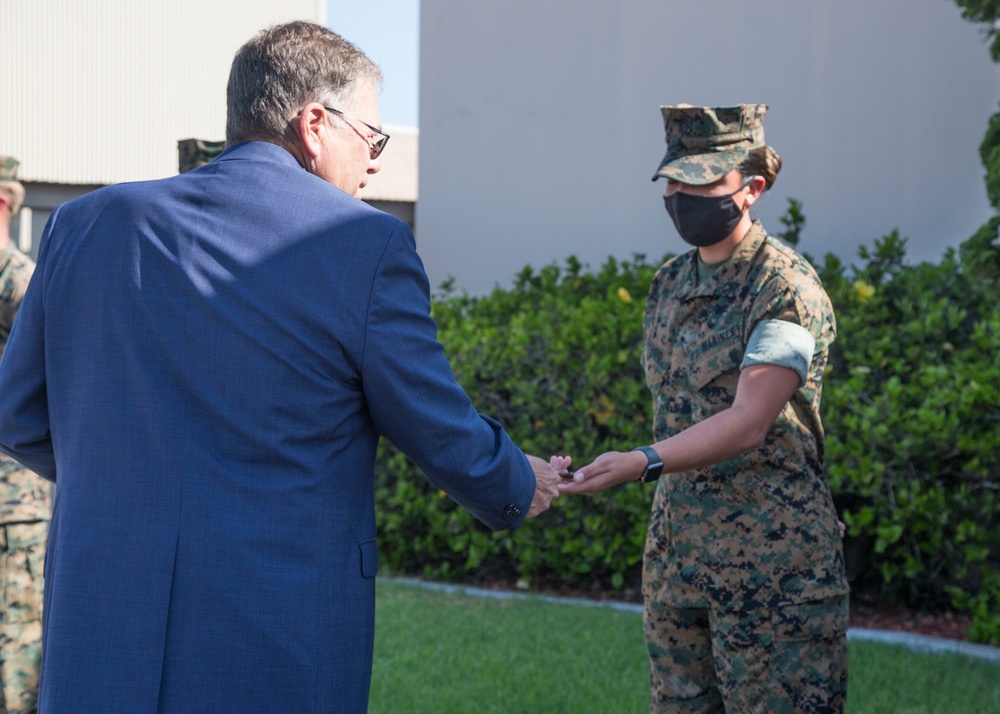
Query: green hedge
x,y
556,360
911,409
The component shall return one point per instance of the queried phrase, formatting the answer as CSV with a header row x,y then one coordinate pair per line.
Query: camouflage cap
x,y
192,153
706,143
8,168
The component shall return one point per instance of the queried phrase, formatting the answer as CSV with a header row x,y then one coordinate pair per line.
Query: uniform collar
x,y
733,271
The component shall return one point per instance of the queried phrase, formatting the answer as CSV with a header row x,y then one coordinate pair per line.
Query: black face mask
x,y
703,220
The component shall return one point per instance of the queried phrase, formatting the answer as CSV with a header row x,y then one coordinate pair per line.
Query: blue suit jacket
x,y
204,365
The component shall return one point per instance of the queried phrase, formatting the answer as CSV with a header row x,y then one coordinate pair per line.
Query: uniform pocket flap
x,y
22,535
743,629
811,620
717,354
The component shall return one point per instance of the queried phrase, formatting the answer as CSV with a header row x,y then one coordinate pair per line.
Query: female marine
x,y
745,591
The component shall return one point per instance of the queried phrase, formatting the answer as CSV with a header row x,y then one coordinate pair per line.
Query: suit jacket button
x,y
512,512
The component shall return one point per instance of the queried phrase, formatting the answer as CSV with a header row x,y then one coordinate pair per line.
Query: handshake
x,y
609,469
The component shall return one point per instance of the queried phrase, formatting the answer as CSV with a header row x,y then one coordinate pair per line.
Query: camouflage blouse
x,y
759,529
24,496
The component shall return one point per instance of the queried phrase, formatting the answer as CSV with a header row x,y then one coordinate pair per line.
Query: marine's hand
x,y
546,485
608,470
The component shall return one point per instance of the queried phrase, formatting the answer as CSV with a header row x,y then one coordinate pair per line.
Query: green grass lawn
x,y
447,654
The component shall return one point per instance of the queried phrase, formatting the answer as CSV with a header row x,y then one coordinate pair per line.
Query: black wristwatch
x,y
653,468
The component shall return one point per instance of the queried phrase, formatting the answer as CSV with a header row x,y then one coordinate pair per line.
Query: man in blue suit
x,y
204,365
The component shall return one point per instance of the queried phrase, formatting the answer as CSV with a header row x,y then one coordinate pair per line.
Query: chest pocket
x,y
658,342
713,353
694,348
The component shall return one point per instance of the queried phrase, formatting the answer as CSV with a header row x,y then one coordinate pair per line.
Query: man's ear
x,y
4,204
309,126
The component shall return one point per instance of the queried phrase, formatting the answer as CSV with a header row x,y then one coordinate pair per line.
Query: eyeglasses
x,y
376,143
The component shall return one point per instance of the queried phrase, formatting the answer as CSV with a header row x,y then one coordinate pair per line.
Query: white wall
x,y
100,91
540,126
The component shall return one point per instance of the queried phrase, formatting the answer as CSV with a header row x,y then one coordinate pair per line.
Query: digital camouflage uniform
x,y
703,144
24,517
744,579
192,153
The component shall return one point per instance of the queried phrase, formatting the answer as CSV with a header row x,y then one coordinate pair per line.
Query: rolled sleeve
x,y
781,343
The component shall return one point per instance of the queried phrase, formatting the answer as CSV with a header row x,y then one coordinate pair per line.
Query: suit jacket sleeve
x,y
416,402
24,412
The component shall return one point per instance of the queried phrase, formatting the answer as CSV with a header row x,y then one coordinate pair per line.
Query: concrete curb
x,y
926,643
915,643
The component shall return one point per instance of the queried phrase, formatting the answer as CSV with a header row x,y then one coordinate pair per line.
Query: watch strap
x,y
654,464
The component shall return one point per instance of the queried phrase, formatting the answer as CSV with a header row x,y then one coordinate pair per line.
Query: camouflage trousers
x,y
22,554
789,659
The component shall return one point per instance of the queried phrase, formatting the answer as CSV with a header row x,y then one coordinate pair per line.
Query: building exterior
x,y
540,126
395,187
99,92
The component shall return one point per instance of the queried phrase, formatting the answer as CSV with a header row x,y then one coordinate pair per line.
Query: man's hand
x,y
546,485
608,470
561,464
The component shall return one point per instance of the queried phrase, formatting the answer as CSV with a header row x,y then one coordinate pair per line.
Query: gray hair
x,y
14,191
283,68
